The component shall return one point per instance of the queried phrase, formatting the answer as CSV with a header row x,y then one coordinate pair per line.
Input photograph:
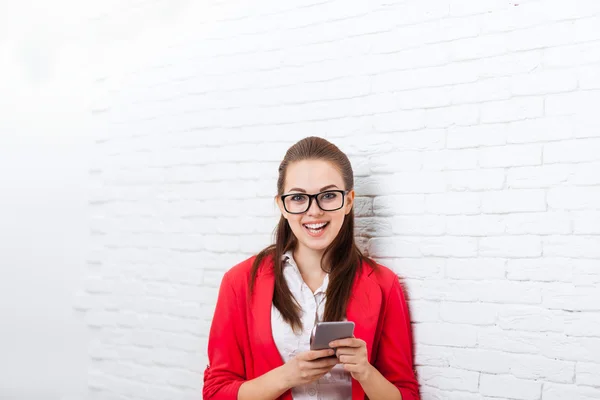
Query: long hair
x,y
343,257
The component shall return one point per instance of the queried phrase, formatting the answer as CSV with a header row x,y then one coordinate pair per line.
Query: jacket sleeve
x,y
226,372
394,358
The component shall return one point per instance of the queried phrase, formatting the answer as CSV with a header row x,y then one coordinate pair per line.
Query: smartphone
x,y
325,332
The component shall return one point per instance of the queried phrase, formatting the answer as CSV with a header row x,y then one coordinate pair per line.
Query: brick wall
x,y
472,129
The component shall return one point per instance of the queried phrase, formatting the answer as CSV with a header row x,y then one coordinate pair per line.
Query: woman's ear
x,y
349,201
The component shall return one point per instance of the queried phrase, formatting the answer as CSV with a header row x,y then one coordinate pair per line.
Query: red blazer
x,y
241,345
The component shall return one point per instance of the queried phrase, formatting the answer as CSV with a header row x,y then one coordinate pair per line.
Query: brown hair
x,y
343,256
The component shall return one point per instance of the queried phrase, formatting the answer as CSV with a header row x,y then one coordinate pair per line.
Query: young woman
x,y
258,346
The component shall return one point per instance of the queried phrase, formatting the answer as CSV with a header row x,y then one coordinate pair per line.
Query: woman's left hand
x,y
352,353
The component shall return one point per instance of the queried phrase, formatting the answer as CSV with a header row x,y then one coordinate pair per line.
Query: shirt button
x,y
312,392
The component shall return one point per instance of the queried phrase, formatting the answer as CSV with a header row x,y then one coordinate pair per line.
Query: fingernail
x,y
331,352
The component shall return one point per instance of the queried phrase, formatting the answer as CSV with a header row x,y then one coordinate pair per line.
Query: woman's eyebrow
x,y
304,191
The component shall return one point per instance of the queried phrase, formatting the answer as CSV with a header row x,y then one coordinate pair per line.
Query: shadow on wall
x,y
367,228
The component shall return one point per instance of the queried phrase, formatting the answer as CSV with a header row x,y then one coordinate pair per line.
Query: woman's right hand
x,y
308,366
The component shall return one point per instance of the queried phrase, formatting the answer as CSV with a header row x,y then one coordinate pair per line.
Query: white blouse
x,y
336,384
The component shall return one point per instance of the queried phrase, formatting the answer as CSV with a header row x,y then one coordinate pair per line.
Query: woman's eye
x,y
330,196
298,198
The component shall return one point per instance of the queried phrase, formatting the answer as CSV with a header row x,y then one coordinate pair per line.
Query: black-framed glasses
x,y
329,200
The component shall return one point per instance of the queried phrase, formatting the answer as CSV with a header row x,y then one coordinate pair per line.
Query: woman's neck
x,y
309,264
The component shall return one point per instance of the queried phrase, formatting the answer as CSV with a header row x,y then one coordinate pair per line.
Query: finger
x,y
317,373
351,368
322,363
349,342
346,350
314,354
349,359
351,351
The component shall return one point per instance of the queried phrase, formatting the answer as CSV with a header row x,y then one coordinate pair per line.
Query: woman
x,y
258,346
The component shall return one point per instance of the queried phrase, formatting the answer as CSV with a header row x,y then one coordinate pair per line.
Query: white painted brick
x,y
586,125
480,91
539,223
417,225
508,292
399,204
509,64
585,272
468,313
395,247
543,82
373,226
589,77
494,338
418,268
433,355
583,324
465,7
540,130
572,246
399,121
542,368
546,269
539,176
428,139
475,136
572,151
572,103
542,36
514,109
453,203
448,246
555,391
442,334
518,200
476,225
510,246
586,222
587,374
449,378
574,198
460,115
563,296
437,289
424,311
475,269
585,174
430,392
421,98
580,349
411,183
396,162
509,386
479,360
478,47
528,318
476,180
510,155
444,160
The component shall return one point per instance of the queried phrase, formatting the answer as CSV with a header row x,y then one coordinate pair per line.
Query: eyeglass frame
x,y
314,196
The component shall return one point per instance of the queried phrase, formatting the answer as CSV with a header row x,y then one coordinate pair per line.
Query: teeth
x,y
315,226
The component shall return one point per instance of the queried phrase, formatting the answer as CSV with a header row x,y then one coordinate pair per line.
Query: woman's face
x,y
315,229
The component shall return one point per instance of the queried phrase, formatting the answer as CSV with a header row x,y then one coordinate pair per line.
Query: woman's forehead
x,y
312,176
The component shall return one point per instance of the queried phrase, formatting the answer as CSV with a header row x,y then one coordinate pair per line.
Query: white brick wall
x,y
472,126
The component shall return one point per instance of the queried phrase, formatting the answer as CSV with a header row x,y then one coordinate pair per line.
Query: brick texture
x,y
473,129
